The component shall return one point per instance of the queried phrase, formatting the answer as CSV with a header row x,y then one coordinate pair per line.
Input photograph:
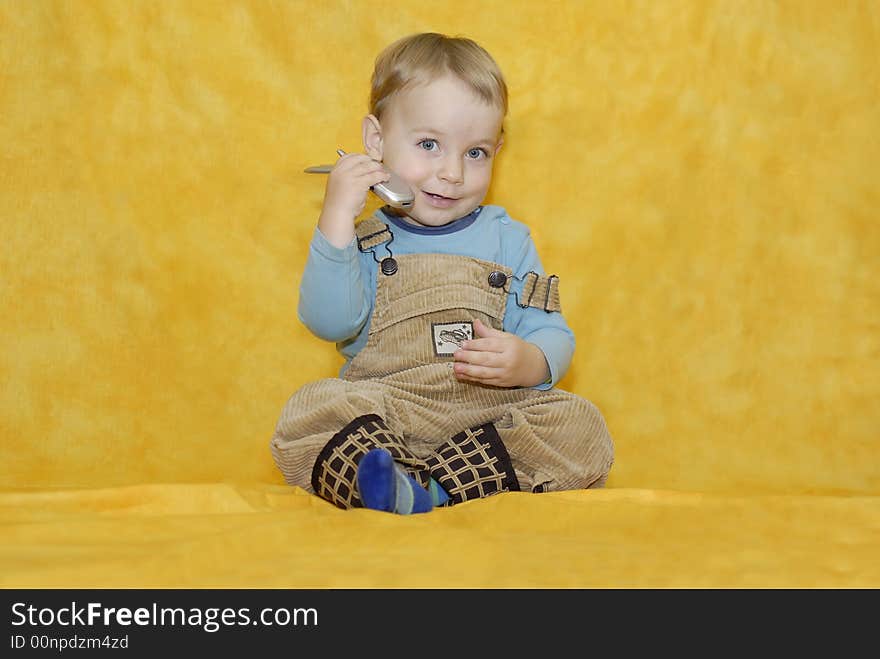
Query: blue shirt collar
x,y
451,227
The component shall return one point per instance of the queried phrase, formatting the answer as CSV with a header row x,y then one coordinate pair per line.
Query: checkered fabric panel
x,y
334,476
473,464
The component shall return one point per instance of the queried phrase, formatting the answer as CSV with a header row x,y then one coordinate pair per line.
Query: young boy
x,y
452,334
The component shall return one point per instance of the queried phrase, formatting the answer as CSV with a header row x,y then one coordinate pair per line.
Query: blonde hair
x,y
421,58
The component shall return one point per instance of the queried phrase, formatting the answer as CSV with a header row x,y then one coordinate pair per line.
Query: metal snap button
x,y
388,266
497,279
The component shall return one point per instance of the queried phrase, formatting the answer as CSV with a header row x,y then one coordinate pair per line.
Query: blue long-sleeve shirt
x,y
338,287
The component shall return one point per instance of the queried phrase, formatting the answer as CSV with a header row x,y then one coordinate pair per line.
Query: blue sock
x,y
438,494
384,485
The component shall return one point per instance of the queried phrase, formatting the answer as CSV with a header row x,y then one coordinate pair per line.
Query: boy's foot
x,y
384,485
438,494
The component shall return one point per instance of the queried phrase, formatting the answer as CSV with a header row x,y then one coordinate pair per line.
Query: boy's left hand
x,y
499,359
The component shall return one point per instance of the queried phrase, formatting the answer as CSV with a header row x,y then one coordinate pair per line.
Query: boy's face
x,y
441,138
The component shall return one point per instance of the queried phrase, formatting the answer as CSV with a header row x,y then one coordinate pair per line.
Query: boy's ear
x,y
499,145
372,130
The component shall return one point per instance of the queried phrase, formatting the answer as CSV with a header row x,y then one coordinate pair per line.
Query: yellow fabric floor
x,y
702,177
207,536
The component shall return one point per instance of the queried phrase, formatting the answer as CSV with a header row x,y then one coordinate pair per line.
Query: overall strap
x,y
371,232
540,292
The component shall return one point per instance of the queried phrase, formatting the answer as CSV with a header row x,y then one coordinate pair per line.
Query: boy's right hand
x,y
346,195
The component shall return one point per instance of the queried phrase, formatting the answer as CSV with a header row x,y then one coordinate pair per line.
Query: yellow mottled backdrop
x,y
703,177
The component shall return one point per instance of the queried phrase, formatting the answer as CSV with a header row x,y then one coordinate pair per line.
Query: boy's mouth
x,y
439,200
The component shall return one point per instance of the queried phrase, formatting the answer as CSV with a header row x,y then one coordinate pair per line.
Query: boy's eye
x,y
476,153
428,145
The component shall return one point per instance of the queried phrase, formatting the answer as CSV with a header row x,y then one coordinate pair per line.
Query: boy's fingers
x,y
481,358
368,172
355,160
381,173
484,345
482,373
482,329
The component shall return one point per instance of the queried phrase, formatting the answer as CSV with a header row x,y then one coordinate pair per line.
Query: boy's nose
x,y
450,170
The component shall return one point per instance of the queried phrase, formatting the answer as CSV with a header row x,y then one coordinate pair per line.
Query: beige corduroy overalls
x,y
399,392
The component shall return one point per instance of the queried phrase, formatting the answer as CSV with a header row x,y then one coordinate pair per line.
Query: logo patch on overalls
x,y
448,337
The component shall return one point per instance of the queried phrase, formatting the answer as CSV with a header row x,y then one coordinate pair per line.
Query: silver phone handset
x,y
394,192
